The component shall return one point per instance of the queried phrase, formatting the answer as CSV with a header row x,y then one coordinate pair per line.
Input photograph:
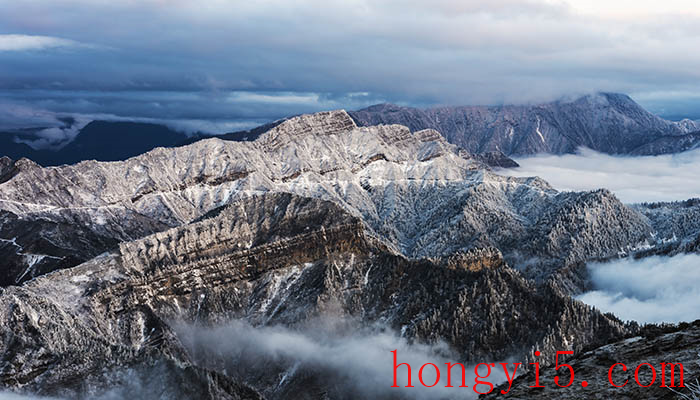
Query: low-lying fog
x,y
655,289
632,179
336,356
356,362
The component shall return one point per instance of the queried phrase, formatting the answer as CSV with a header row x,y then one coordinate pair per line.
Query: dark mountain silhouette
x,y
98,140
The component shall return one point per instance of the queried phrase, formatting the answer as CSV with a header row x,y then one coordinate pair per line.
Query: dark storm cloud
x,y
187,111
409,51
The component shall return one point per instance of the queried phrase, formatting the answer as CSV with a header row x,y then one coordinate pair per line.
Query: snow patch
x,y
539,132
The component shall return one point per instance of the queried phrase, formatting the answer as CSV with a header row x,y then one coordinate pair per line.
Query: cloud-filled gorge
x,y
357,361
330,354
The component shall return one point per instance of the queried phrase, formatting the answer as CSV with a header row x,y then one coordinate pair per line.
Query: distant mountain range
x,y
109,141
606,122
98,140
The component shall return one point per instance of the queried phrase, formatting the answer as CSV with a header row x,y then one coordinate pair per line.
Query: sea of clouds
x,y
654,289
632,179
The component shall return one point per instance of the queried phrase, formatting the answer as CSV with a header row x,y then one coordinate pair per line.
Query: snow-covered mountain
x,y
422,195
606,122
273,259
315,220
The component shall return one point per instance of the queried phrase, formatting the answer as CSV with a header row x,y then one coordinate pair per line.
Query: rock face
x,y
7,169
422,195
35,245
497,159
677,346
271,259
606,122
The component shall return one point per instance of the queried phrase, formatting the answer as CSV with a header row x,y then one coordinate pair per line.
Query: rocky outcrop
x,y
271,259
7,169
606,122
497,159
655,346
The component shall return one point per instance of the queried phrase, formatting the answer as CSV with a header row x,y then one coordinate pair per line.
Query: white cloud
x,y
632,179
634,8
30,42
14,115
355,360
56,137
654,289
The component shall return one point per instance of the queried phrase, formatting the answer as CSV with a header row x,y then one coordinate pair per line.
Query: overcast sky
x,y
238,62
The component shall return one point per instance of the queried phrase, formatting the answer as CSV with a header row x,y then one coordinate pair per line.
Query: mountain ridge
x,y
424,196
496,132
607,122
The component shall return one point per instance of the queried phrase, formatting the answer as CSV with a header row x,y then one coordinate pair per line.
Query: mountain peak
x,y
614,97
321,124
621,100
384,107
607,122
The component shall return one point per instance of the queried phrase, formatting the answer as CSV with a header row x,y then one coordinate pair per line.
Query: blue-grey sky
x,y
226,64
